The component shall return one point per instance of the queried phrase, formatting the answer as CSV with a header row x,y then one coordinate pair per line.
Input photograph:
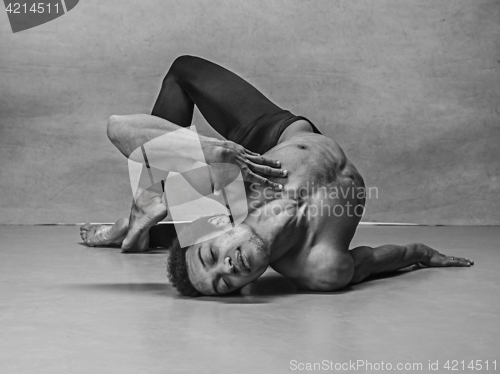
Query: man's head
x,y
219,265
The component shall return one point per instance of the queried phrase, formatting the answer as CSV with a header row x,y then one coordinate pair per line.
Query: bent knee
x,y
184,60
113,128
186,68
181,64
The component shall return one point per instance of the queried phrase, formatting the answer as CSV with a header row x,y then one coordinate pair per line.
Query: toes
x,y
99,237
83,235
84,230
85,227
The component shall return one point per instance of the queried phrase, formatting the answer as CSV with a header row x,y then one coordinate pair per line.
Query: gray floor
x,y
65,308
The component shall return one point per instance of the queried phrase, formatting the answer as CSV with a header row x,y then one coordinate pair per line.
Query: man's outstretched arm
x,y
388,258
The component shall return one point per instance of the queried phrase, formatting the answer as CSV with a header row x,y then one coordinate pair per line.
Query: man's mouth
x,y
242,261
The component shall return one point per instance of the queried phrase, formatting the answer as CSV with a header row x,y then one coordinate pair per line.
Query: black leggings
x,y
232,106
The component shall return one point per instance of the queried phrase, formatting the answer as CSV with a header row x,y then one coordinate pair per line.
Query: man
x,y
305,198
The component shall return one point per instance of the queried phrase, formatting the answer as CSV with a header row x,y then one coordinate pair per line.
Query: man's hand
x,y
434,258
254,167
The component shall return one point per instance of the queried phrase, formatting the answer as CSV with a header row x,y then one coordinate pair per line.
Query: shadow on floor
x,y
118,250
162,289
363,284
265,290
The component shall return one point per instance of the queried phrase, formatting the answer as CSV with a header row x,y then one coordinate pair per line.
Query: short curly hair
x,y
177,265
178,271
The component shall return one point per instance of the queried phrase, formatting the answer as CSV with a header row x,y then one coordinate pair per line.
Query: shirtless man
x,y
305,197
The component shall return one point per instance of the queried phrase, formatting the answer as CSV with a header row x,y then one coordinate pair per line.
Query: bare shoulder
x,y
322,268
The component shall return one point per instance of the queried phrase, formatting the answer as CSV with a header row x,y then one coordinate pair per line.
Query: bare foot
x,y
147,211
104,235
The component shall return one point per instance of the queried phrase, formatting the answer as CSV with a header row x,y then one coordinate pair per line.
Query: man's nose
x,y
227,265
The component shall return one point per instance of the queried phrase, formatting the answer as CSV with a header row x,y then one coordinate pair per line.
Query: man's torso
x,y
322,190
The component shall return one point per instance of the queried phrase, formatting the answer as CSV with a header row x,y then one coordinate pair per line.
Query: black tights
x,y
232,106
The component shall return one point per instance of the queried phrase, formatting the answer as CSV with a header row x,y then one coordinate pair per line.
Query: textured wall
x,y
410,89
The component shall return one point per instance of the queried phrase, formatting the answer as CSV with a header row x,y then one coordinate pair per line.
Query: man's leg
x,y
226,101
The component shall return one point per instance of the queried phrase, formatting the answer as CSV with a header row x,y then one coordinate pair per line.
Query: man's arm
x,y
129,132
388,258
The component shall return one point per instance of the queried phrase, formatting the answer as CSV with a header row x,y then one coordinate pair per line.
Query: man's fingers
x,y
458,261
267,170
251,153
264,161
263,181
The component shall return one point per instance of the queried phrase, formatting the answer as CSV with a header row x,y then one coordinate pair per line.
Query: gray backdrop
x,y
410,90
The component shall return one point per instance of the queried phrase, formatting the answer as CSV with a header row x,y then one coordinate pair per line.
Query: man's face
x,y
227,262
